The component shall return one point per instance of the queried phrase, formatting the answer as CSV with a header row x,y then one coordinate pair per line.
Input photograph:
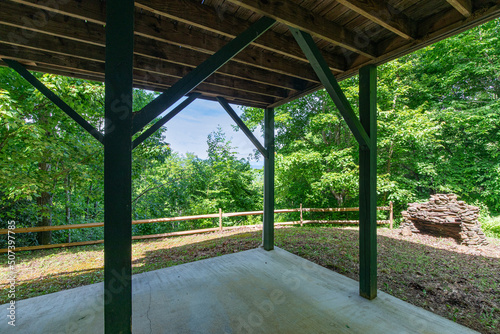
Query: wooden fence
x,y
219,215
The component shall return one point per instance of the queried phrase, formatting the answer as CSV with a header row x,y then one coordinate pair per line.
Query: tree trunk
x,y
87,206
67,207
44,203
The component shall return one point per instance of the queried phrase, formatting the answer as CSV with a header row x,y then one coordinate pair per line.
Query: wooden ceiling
x,y
174,36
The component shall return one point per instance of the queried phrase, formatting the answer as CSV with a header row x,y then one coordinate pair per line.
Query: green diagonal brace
x,y
54,98
199,74
242,126
145,135
326,77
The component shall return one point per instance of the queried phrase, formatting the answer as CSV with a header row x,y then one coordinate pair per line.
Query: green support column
x,y
118,167
268,228
368,183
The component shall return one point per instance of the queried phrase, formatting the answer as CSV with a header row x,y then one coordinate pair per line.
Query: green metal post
x,y
368,183
268,226
118,166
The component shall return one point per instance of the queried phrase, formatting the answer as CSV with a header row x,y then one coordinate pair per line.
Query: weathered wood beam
x,y
196,40
189,12
141,80
146,51
384,15
433,29
165,73
205,17
200,73
293,15
151,28
464,7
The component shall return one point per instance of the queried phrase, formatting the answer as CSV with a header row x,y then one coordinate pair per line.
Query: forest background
x,y
438,132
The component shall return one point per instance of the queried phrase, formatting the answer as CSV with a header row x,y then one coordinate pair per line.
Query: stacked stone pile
x,y
444,215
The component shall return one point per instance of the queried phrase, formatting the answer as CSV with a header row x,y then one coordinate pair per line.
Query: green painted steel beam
x,y
199,74
242,126
268,224
318,63
54,98
145,135
368,184
118,167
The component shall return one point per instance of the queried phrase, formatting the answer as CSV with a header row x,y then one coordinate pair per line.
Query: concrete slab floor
x,y
248,292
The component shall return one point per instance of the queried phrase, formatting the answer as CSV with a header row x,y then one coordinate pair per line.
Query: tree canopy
x,y
438,131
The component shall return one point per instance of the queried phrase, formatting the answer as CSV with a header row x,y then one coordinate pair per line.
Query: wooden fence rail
x,y
219,215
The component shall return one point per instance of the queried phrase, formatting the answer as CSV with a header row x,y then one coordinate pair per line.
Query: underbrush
x,y
491,226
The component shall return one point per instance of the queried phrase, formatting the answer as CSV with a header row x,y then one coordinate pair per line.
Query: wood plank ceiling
x,y
174,36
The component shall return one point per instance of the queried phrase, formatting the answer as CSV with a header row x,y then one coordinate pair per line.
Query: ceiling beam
x,y
13,34
192,13
384,15
137,84
464,7
293,15
148,26
155,73
196,77
205,17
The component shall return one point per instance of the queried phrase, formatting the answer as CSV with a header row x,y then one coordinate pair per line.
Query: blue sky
x,y
188,130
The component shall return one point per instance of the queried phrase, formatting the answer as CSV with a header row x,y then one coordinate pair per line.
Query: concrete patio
x,y
249,292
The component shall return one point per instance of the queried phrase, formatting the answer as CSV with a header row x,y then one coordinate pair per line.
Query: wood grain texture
x,y
205,17
291,14
384,15
464,7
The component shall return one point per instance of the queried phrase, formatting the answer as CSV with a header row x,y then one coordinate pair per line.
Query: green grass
x,y
491,226
453,281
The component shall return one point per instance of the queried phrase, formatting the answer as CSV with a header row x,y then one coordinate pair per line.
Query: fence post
x,y
301,218
220,219
391,214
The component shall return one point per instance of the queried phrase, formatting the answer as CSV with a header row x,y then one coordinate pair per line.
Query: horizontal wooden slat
x,y
289,13
182,218
40,247
176,36
384,15
148,27
464,7
346,222
199,15
137,237
339,209
190,12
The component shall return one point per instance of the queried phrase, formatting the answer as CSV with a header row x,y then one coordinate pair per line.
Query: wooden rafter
x,y
173,37
151,28
464,7
196,77
189,12
384,15
291,14
194,13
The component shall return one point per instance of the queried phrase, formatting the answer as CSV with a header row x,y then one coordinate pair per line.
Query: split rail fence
x,y
219,215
